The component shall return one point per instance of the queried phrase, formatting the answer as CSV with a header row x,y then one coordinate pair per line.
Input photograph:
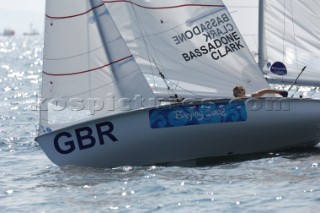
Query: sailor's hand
x,y
283,93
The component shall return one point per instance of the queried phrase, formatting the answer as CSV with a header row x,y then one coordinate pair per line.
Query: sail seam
x,y
167,7
145,7
85,71
72,16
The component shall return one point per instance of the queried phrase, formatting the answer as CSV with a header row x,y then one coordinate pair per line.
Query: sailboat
x,y
32,31
149,82
8,32
288,33
294,40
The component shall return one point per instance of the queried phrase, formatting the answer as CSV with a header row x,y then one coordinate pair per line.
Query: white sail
x,y
286,36
290,40
86,71
182,40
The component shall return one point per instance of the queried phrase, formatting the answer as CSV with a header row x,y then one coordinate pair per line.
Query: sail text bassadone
x,y
210,29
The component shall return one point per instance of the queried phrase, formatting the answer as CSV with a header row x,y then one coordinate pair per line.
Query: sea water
x,y
29,182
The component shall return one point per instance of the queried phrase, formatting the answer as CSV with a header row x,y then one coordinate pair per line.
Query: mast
x,y
102,15
261,35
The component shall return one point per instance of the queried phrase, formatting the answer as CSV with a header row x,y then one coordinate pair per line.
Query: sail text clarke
x,y
84,137
218,48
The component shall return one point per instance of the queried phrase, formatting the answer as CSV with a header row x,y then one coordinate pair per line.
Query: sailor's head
x,y
239,92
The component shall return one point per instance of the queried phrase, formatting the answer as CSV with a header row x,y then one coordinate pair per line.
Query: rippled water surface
x,y
29,182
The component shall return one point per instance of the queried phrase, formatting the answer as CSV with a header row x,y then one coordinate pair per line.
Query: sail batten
x,y
75,15
89,70
174,6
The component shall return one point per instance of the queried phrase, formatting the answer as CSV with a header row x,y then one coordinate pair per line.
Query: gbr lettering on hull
x,y
84,137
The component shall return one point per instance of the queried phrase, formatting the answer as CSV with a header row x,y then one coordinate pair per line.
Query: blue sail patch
x,y
197,114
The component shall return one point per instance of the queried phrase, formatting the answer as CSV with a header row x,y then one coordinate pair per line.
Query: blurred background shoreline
x,y
19,15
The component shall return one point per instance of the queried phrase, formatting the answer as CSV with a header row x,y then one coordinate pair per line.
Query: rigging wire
x,y
142,31
290,11
284,34
294,36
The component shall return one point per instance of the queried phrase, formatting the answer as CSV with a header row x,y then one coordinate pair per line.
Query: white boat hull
x,y
130,138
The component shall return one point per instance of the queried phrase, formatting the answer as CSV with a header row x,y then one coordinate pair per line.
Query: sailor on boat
x,y
240,92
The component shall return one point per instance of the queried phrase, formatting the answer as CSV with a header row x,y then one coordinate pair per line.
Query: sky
x,y
20,14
